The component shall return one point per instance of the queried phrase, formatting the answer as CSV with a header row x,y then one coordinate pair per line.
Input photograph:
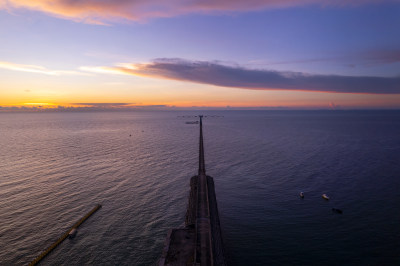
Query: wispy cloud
x,y
101,70
38,69
364,58
103,105
101,12
217,74
72,107
114,106
27,68
381,56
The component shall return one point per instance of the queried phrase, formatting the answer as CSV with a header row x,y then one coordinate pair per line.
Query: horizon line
x,y
111,108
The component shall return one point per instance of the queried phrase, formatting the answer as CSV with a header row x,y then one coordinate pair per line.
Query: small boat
x,y
302,195
192,122
324,196
337,210
72,233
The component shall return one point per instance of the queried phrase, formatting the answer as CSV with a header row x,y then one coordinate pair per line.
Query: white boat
x,y
301,195
324,196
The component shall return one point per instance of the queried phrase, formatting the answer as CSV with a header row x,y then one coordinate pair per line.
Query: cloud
x,y
363,58
37,69
27,68
103,11
101,70
382,56
82,107
217,74
115,106
103,105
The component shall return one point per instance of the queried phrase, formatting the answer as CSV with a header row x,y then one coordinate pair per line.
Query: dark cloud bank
x,y
217,74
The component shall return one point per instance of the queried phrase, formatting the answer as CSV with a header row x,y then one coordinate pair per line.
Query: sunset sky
x,y
210,53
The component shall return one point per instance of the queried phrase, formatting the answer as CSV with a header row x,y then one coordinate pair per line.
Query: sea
x,y
56,166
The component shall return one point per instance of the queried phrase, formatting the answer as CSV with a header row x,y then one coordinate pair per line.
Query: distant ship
x,y
192,122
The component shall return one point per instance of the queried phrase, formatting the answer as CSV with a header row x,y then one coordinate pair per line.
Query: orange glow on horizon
x,y
39,104
210,97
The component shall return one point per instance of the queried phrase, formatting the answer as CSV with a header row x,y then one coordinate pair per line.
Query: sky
x,y
209,53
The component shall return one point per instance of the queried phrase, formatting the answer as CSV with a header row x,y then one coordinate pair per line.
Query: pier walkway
x,y
203,226
200,241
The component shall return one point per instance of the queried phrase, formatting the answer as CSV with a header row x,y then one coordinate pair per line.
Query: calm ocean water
x,y
54,167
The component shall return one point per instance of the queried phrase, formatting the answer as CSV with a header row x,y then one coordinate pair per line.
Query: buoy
x,y
302,195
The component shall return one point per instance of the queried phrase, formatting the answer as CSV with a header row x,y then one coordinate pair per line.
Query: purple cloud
x,y
238,77
368,58
382,56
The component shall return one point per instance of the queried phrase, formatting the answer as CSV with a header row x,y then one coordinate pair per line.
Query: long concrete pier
x,y
200,241
64,236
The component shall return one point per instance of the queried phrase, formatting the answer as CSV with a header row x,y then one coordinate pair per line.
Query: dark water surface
x,y
54,167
